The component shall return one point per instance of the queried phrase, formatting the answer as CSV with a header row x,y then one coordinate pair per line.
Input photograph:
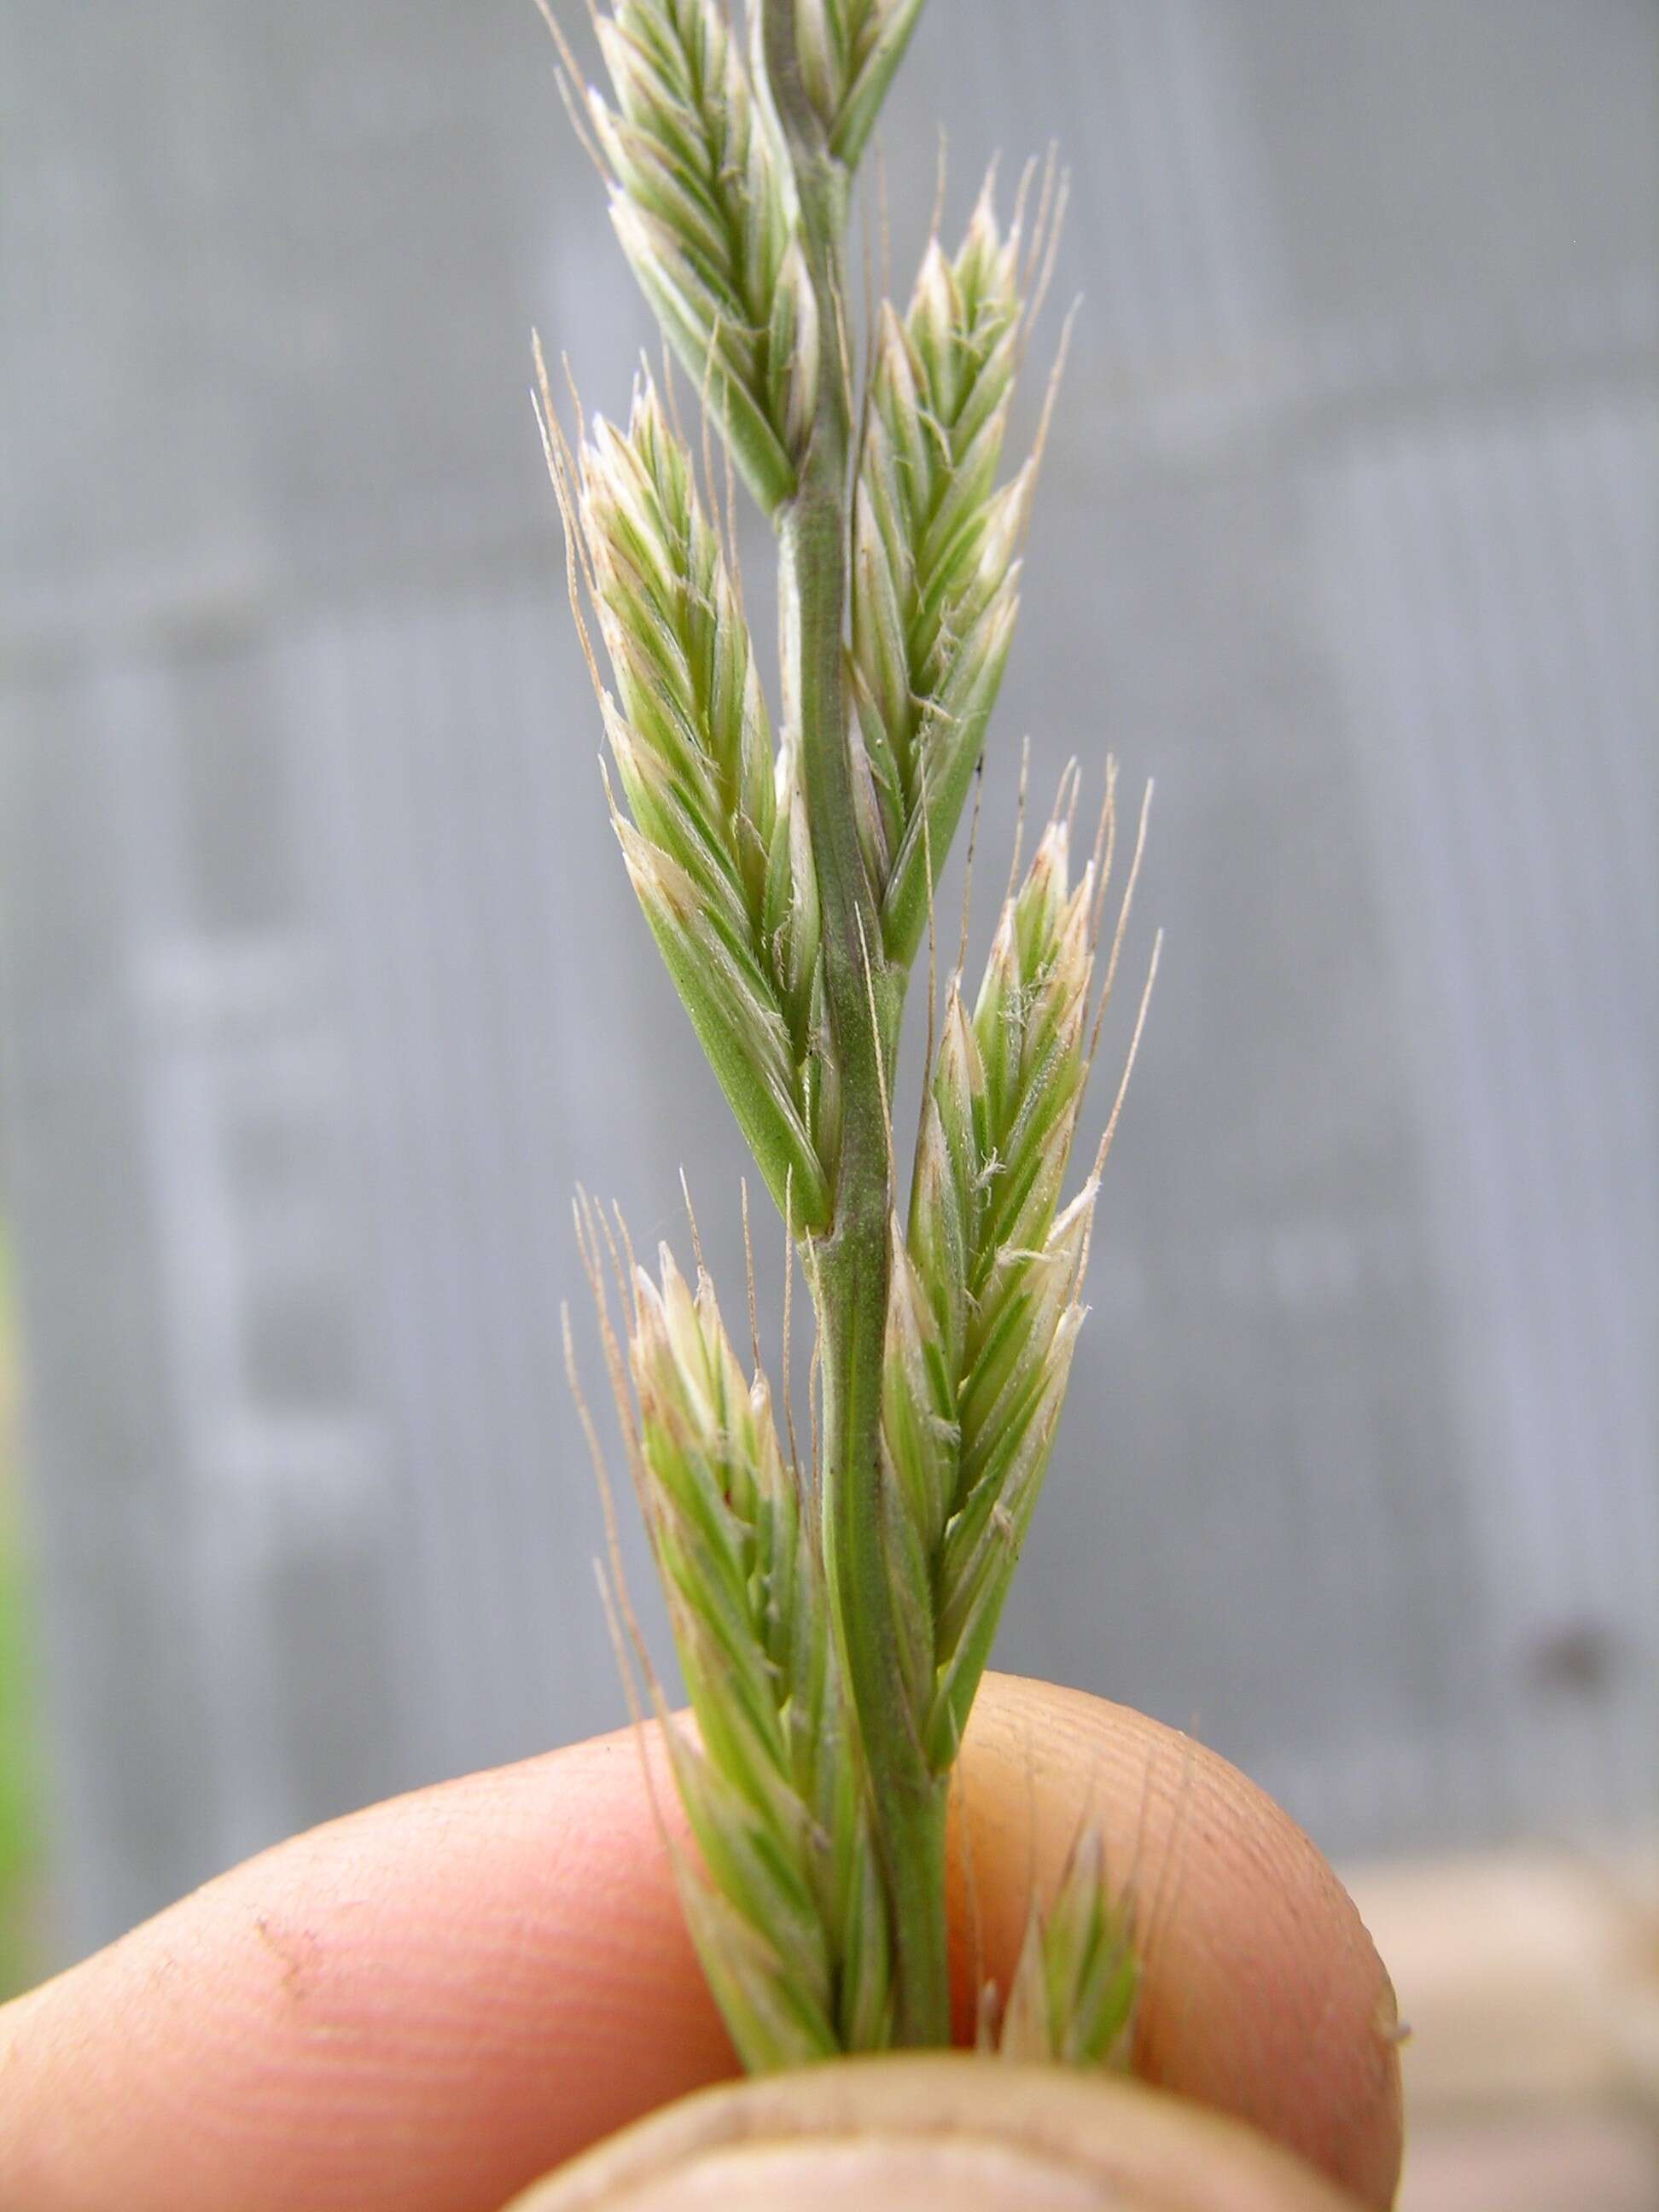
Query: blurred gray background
x,y
321,986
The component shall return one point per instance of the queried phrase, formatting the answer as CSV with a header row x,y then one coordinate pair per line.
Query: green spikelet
x,y
704,205
788,1915
935,565
849,50
984,1309
716,847
1072,1997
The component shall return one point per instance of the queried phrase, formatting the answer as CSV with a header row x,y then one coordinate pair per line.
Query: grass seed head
x,y
830,1701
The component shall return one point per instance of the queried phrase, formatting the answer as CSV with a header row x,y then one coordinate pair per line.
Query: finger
x,y
421,2006
426,2004
1262,1995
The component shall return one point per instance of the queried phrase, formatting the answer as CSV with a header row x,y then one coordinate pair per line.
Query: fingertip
x,y
422,2006
1263,1996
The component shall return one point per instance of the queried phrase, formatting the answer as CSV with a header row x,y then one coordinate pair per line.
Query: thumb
x,y
888,2134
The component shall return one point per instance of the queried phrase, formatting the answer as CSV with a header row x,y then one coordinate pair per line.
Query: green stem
x,y
850,1270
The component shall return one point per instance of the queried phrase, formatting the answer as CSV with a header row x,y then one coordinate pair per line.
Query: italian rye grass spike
x,y
833,1623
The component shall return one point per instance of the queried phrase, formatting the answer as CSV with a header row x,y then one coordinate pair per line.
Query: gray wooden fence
x,y
321,987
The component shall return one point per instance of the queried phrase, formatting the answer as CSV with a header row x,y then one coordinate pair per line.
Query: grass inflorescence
x,y
834,1611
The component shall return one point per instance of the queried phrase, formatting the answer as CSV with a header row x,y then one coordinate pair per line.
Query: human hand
x,y
425,2005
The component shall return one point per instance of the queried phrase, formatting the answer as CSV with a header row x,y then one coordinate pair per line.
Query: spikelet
x,y
848,50
1073,1996
789,1921
716,847
935,556
984,1310
704,204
